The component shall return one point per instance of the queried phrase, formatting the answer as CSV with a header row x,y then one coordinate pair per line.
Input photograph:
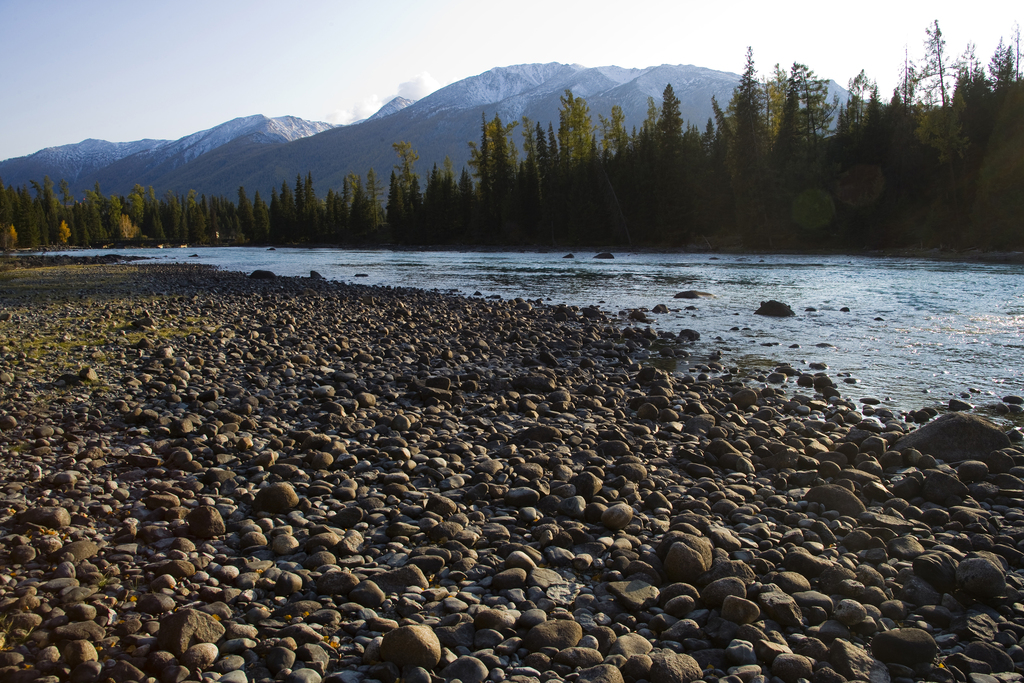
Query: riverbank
x,y
935,254
206,475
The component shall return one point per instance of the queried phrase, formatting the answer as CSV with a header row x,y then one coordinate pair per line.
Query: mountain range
x,y
260,153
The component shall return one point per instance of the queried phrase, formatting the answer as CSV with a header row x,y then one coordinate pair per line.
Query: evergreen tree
x,y
260,219
246,215
195,219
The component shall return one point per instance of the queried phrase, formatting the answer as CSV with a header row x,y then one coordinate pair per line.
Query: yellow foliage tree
x,y
127,229
8,238
63,232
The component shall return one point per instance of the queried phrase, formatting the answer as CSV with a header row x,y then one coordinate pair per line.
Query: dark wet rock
x,y
262,275
956,437
835,497
992,654
693,294
940,487
774,309
205,521
907,646
981,577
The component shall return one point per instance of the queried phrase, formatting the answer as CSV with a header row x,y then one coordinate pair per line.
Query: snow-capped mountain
x,y
83,163
258,128
259,152
393,107
72,162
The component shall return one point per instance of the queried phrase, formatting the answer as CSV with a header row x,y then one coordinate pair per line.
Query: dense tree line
x,y
779,165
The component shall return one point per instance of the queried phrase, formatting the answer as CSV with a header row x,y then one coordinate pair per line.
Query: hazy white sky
x,y
120,71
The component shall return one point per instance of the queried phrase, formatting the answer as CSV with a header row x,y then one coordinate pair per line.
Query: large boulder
x,y
956,437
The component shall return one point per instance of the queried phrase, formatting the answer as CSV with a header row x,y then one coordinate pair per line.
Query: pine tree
x,y
260,219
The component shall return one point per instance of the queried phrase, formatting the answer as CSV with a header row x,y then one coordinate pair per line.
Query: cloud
x,y
418,87
366,107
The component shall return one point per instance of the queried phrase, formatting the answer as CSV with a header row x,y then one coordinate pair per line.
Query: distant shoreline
x,y
934,254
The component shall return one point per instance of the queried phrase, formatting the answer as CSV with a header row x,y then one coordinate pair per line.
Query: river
x,y
917,332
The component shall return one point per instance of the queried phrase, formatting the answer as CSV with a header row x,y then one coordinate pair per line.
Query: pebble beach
x,y
239,477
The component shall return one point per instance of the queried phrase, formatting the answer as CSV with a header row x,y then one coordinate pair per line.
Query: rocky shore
x,y
209,476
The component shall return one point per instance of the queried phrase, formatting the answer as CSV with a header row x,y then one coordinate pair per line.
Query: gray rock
x,y
956,437
981,577
466,669
602,673
617,517
187,627
792,667
740,610
50,517
780,607
557,633
835,497
634,595
276,498
200,656
670,667
688,558
856,664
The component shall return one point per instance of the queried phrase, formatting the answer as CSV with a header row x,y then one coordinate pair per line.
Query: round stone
x,y
413,645
981,577
617,517
276,498
200,657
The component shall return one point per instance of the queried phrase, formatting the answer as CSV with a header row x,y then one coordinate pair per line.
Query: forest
x,y
938,163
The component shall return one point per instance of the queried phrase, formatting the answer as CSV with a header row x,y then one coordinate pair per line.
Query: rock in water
x,y
694,294
605,255
774,309
956,437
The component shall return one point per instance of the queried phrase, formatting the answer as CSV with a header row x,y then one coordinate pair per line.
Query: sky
x,y
121,71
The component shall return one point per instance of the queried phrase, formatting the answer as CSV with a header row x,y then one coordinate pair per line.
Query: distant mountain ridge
x,y
260,153
393,107
83,163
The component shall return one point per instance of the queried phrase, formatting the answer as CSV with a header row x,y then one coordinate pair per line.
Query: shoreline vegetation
x,y
209,476
781,166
